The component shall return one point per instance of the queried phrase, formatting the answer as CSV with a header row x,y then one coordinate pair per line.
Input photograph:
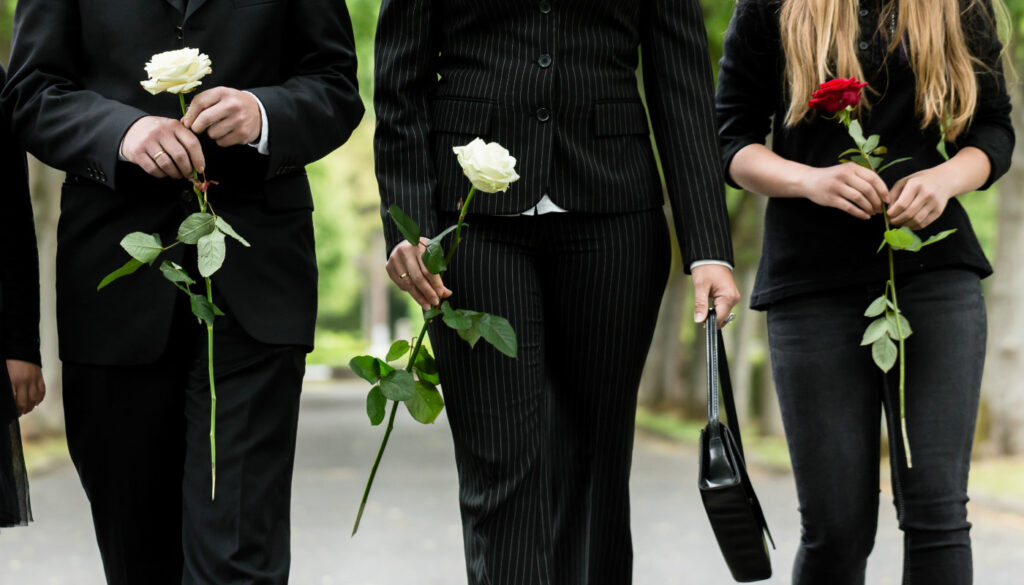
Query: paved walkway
x,y
411,530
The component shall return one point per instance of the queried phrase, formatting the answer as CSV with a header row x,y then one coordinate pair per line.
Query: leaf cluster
x,y
417,388
904,238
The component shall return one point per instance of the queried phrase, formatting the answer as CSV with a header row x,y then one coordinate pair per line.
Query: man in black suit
x,y
21,378
543,443
282,94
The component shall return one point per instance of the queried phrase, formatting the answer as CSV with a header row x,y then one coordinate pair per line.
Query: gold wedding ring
x,y
403,275
730,318
158,155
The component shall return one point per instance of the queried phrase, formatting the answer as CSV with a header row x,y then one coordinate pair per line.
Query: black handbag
x,y
732,507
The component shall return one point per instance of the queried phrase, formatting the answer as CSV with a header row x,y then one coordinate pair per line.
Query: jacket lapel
x,y
193,5
178,5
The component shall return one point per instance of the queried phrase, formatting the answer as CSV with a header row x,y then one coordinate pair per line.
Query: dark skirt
x,y
15,509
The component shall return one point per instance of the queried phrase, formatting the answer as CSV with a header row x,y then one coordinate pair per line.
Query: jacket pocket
x,y
620,118
462,116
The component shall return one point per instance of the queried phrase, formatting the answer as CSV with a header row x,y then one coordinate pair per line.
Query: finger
x,y
878,188
210,117
701,293
911,204
178,155
848,207
191,144
146,163
895,194
199,104
21,398
856,197
221,128
908,194
418,275
165,162
869,190
923,218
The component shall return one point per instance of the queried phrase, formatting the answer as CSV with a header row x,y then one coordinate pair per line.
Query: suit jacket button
x,y
545,7
179,33
543,114
545,60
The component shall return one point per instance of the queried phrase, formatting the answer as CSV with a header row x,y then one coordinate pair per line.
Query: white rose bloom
x,y
176,71
488,165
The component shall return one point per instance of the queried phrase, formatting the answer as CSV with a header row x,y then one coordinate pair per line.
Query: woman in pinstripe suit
x,y
575,254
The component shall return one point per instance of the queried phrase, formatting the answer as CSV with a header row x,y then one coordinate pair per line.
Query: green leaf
x,y
470,336
129,267
859,159
426,404
383,367
203,309
431,314
498,332
225,227
849,151
880,151
876,161
398,349
875,331
938,237
898,239
884,353
899,160
904,330
941,147
877,307
857,133
196,226
872,142
437,239
409,228
457,320
881,246
143,247
211,250
433,258
175,273
398,385
426,367
376,404
365,366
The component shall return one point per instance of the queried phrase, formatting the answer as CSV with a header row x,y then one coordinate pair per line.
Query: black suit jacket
x,y
73,93
555,82
19,261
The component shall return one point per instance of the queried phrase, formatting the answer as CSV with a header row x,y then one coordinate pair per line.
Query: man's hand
x,y
163,147
27,381
405,267
228,116
714,282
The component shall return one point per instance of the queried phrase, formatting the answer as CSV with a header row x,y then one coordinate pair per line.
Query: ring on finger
x,y
158,155
730,318
403,275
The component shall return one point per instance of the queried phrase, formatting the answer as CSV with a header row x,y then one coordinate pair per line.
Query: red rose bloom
x,y
833,96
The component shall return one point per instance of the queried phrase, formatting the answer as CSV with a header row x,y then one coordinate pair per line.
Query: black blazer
x,y
554,81
19,261
74,91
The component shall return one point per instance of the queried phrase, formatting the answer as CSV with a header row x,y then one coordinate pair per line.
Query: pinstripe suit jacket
x,y
555,82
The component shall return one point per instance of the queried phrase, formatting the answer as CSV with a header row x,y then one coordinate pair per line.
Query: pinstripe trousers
x,y
543,443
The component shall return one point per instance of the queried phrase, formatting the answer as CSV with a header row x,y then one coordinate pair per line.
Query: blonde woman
x,y
930,63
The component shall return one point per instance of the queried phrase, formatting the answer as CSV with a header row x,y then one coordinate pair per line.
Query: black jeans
x,y
830,394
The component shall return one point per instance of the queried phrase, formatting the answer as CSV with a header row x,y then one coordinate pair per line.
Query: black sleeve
x,y
749,84
19,260
406,71
316,109
679,88
991,130
65,126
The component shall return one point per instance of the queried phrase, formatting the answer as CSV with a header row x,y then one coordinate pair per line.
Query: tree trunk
x,y
1004,370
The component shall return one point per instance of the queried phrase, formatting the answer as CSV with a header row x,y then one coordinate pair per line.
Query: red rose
x,y
833,96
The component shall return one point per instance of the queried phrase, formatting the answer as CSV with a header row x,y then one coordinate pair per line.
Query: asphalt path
x,y
411,532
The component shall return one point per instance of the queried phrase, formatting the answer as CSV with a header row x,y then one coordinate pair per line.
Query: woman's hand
x,y
920,199
714,283
27,382
406,269
848,187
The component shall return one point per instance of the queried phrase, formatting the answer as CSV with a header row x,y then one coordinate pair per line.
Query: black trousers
x,y
543,443
831,395
139,437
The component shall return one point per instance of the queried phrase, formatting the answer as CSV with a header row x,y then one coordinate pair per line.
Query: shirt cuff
x,y
710,263
262,145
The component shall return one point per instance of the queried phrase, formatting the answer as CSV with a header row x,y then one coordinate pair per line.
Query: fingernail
x,y
698,317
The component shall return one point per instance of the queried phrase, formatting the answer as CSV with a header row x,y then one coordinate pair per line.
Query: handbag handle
x,y
718,375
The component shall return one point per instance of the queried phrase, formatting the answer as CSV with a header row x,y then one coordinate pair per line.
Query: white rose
x,y
176,71
488,165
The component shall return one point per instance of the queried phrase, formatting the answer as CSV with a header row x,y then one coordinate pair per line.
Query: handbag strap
x,y
718,376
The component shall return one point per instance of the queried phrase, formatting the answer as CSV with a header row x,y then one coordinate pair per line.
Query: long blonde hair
x,y
819,38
